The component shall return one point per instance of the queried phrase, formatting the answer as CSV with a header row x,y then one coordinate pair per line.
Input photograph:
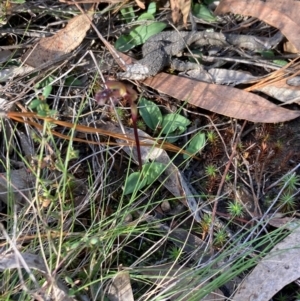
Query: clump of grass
x,y
228,177
205,224
121,113
174,253
220,238
212,137
287,201
211,171
235,209
141,125
291,182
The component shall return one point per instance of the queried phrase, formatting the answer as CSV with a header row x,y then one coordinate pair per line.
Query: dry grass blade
x,y
19,117
278,75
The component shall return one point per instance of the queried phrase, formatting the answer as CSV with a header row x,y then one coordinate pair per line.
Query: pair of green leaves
x,y
139,34
44,88
269,55
202,12
39,104
172,124
138,180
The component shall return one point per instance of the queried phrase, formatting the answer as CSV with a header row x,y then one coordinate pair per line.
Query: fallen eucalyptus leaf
x,y
279,268
58,292
223,100
15,186
63,42
120,288
282,14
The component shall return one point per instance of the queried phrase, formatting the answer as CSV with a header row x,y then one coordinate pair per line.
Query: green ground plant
x,y
235,209
90,215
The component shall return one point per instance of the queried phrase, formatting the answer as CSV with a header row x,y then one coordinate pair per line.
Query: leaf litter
x,y
51,49
277,269
221,99
228,101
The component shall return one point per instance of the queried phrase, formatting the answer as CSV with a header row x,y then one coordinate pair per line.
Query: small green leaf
x,y
34,104
142,33
202,12
69,280
267,54
45,82
146,16
72,81
124,43
178,132
150,173
46,91
150,113
74,245
171,122
128,14
42,113
196,144
151,8
52,113
281,63
134,182
138,36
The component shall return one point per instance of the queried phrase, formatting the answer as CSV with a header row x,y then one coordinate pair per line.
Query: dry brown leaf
x,y
63,42
180,7
289,47
282,14
280,222
281,91
140,4
279,268
20,182
28,261
120,288
223,100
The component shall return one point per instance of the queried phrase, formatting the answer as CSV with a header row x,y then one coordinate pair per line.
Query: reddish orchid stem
x,y
134,113
117,90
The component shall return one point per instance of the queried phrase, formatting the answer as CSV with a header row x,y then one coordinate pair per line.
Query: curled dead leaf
x,y
180,7
140,4
63,42
282,14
